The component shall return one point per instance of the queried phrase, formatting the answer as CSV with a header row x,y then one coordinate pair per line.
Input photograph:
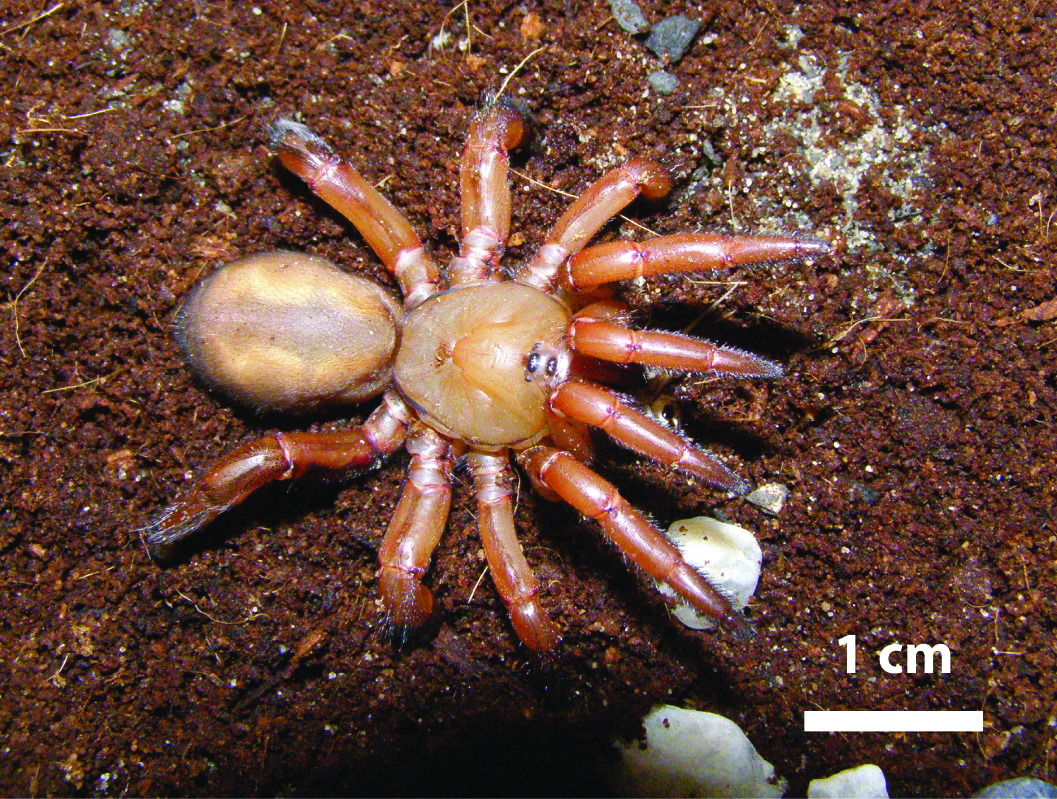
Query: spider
x,y
476,362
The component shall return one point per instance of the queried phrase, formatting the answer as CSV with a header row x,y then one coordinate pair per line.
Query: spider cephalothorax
x,y
473,363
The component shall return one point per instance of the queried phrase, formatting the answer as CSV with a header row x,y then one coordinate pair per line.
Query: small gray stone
x,y
119,41
868,494
769,497
1020,788
672,37
629,16
663,82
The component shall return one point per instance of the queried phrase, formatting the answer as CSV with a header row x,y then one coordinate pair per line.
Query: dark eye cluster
x,y
532,365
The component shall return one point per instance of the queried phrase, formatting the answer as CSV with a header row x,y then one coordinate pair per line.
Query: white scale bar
x,y
893,721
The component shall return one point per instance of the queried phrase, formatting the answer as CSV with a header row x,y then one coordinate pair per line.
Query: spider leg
x,y
627,528
586,216
387,232
586,402
686,252
279,456
619,344
601,370
416,528
572,436
510,571
486,192
610,310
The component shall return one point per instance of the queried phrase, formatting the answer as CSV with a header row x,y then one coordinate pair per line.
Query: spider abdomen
x,y
290,332
478,361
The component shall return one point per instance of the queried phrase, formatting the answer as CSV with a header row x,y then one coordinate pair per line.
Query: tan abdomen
x,y
466,361
290,332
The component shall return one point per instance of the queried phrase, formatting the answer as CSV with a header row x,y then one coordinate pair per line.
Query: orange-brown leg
x,y
279,456
416,528
585,402
586,216
686,252
572,436
486,192
385,230
637,538
510,571
619,344
600,370
609,310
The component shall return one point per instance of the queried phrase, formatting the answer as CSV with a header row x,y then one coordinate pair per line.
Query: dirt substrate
x,y
914,427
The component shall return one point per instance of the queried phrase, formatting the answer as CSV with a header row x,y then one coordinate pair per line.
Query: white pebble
x,y
690,753
863,782
726,554
770,497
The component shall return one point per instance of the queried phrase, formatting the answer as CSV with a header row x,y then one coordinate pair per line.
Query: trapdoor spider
x,y
474,363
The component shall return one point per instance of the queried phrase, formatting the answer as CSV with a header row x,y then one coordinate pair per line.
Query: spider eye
x,y
531,365
552,366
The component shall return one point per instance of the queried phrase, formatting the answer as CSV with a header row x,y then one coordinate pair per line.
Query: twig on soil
x,y
235,121
92,113
93,574
14,306
996,650
946,260
730,205
249,618
759,33
279,44
29,22
734,283
1044,234
70,131
517,489
858,322
84,384
57,673
334,38
517,69
1007,266
465,5
542,185
476,586
469,27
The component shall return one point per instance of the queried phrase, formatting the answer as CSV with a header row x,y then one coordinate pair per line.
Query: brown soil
x,y
915,426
